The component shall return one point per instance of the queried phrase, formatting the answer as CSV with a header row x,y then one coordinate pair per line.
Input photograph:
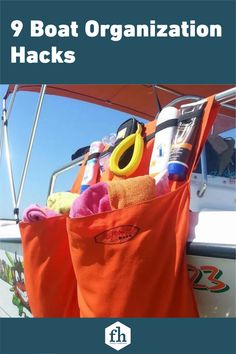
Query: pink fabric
x,y
35,213
93,200
162,183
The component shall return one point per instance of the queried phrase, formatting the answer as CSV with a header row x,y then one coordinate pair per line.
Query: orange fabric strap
x,y
210,112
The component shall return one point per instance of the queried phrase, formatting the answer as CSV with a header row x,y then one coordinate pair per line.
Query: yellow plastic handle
x,y
133,139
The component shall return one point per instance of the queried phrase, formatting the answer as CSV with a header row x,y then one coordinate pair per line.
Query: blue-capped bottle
x,y
92,166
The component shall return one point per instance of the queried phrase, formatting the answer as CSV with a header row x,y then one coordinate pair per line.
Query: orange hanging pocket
x,y
131,262
49,275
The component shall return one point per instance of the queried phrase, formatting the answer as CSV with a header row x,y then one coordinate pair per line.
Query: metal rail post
x,y
5,140
30,145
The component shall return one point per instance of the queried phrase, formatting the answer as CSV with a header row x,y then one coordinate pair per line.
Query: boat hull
x,y
213,279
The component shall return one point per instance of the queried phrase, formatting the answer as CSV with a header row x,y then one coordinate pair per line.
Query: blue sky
x,y
65,125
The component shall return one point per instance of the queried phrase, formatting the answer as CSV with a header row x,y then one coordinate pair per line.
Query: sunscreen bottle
x,y
92,166
165,130
182,150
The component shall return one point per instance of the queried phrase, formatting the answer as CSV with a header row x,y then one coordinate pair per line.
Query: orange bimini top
x,y
138,100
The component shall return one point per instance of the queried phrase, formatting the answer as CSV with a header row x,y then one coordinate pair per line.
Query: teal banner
x,y
101,336
117,42
92,42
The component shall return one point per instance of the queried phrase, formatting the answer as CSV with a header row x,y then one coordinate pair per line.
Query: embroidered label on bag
x,y
119,234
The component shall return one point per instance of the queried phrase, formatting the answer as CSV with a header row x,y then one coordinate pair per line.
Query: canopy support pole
x,y
1,140
30,145
5,141
222,97
5,116
203,188
158,103
226,96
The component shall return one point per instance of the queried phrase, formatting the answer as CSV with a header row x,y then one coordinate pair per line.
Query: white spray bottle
x,y
166,122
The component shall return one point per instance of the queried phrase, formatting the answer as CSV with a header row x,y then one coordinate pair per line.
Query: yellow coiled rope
x,y
135,139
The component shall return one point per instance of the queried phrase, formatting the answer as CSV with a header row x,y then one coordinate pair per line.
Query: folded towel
x,y
123,193
61,202
93,200
35,213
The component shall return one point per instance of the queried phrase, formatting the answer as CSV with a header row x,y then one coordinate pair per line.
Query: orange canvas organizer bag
x,y
131,262
49,276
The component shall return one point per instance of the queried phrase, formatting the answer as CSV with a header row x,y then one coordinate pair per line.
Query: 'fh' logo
x,y
118,336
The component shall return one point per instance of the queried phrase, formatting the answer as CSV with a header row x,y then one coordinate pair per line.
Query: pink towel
x,y
93,200
35,213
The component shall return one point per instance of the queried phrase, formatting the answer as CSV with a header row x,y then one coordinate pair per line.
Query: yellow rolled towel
x,y
123,193
61,201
